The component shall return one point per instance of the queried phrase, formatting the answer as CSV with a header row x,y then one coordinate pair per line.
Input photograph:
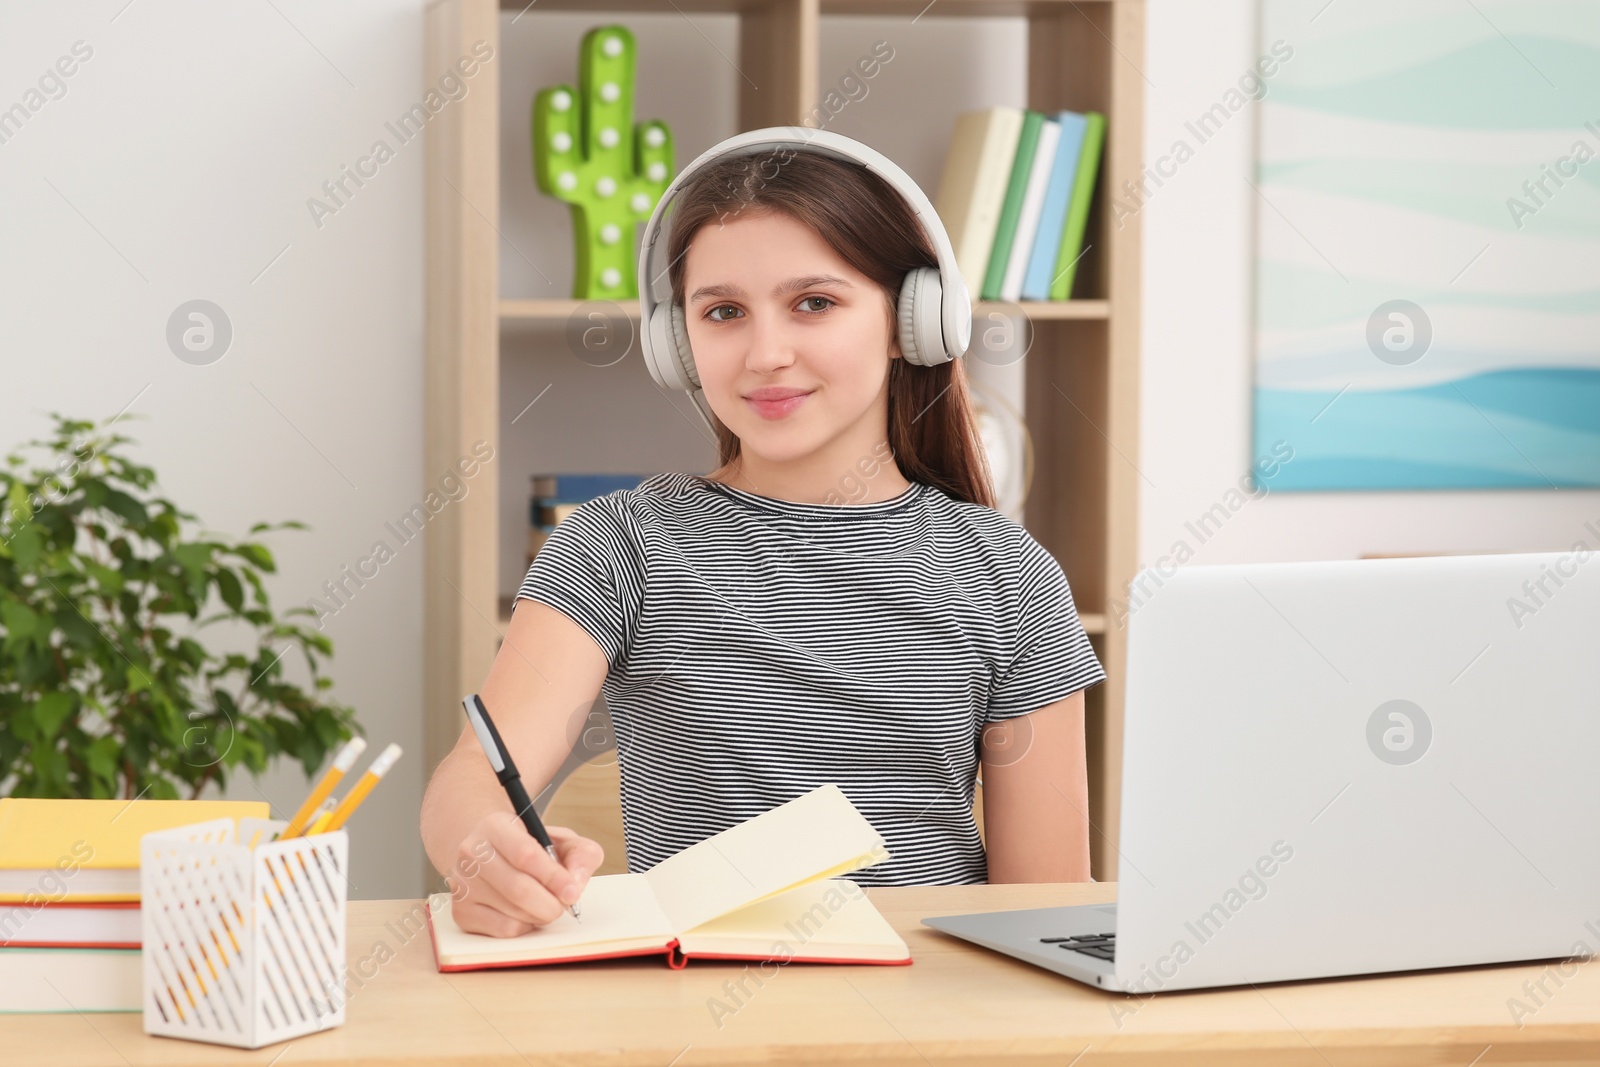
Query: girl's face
x,y
771,310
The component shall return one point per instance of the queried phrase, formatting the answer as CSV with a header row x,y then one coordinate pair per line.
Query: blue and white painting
x,y
1427,201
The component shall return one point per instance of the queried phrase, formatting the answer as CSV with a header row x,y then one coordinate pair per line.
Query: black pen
x,y
506,771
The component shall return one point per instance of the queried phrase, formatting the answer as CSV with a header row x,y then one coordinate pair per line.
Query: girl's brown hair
x,y
932,433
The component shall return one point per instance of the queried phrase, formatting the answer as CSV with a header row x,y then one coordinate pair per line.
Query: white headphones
x,y
935,309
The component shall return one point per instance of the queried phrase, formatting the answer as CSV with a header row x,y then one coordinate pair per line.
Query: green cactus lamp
x,y
588,151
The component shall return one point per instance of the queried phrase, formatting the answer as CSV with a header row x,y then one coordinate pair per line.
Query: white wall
x,y
1197,369
178,166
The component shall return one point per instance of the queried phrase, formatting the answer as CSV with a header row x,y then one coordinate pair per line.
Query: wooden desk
x,y
956,1004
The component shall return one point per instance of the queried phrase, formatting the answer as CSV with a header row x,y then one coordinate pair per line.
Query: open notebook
x,y
765,889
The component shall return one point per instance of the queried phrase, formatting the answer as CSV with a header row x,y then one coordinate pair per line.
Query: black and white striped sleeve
x,y
1053,657
592,571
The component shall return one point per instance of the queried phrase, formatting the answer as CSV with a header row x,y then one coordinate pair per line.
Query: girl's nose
x,y
772,343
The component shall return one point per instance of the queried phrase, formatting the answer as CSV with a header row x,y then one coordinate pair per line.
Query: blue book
x,y
1053,215
578,488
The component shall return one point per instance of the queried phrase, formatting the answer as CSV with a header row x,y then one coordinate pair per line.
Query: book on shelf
x,y
548,515
556,496
577,488
766,888
972,189
1028,214
1070,250
1011,207
1015,198
1053,212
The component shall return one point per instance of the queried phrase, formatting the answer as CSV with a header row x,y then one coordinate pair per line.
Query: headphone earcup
x,y
680,337
669,360
920,318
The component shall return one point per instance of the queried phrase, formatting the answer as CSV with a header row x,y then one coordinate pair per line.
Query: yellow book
x,y
88,850
768,888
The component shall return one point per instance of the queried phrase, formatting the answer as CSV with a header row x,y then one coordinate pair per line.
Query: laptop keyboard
x,y
1100,946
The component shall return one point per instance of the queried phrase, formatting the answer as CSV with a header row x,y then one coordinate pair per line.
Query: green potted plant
x,y
106,687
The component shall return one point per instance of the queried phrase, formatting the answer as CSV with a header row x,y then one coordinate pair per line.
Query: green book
x,y
1005,234
1094,136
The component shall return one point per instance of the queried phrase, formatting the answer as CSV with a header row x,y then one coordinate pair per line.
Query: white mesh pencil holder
x,y
242,946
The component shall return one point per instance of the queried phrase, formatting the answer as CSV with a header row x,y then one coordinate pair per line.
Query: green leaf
x,y
321,642
259,555
79,631
228,587
193,557
125,507
19,621
110,580
101,756
25,547
51,711
50,770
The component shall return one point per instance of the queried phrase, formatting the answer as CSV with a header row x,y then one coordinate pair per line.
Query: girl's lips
x,y
776,409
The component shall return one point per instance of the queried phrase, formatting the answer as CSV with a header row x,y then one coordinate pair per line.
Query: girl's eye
x,y
711,313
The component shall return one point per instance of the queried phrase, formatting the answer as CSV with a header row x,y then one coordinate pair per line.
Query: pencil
x,y
359,791
341,763
320,822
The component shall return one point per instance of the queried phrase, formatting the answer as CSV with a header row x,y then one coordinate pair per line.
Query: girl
x,y
837,602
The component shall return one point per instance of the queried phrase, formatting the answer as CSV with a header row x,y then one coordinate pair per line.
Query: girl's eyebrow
x,y
728,290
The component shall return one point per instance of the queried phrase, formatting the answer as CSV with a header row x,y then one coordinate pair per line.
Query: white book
x,y
1032,205
70,925
70,980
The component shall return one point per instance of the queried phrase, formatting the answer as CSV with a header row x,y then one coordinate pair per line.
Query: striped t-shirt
x,y
759,648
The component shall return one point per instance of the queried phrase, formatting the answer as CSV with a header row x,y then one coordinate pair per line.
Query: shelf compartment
x,y
1081,54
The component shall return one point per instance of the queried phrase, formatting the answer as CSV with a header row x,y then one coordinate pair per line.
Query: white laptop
x,y
1345,767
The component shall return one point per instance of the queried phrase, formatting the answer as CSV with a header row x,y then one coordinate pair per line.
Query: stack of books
x,y
69,897
1015,198
555,496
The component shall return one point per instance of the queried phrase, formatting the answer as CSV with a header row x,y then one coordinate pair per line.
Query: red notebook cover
x,y
676,959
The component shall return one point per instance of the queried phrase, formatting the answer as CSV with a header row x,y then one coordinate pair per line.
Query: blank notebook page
x,y
616,907
817,835
819,913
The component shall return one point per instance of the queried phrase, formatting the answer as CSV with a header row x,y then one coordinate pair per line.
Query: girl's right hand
x,y
506,884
